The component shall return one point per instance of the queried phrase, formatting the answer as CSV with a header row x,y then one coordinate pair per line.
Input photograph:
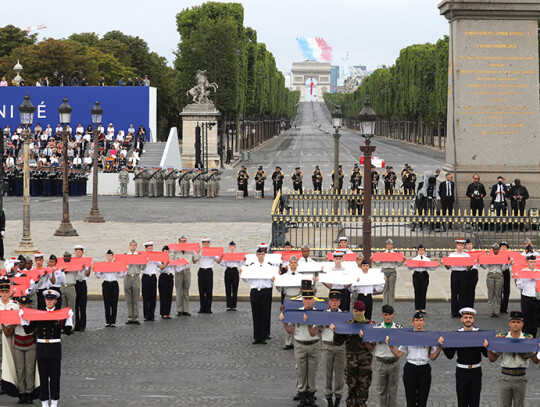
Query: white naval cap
x,y
389,241
343,238
78,247
467,310
460,241
262,246
338,253
205,239
51,293
38,254
149,243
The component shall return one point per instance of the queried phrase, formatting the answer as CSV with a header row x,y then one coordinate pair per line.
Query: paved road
x,y
305,146
209,360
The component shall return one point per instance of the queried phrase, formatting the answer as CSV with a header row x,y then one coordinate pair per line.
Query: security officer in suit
x,y
297,176
260,177
317,178
447,192
277,180
123,178
49,349
242,178
356,178
389,177
476,192
341,175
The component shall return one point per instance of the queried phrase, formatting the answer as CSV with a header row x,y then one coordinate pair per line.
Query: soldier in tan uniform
x,y
123,178
170,181
132,286
183,179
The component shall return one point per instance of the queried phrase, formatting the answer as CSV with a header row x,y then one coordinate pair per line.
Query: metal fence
x,y
312,219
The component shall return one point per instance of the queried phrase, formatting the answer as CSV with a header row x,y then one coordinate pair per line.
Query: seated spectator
x,y
69,130
130,167
43,161
77,162
131,130
109,164
19,130
79,129
123,152
10,161
3,82
54,161
49,131
120,136
57,131
38,130
116,145
100,162
87,162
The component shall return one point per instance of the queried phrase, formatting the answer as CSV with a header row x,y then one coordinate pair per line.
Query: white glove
x,y
2,233
70,313
21,312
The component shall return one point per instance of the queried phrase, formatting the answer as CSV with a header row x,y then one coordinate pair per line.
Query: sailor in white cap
x,y
343,242
206,278
389,269
530,298
149,284
82,290
459,280
343,289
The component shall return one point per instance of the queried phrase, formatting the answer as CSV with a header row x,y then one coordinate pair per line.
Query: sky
x,y
372,32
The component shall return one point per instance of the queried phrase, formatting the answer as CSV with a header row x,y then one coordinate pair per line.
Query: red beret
x,y
359,306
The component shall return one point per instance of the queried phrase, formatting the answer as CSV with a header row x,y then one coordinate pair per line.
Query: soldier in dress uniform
x,y
289,293
358,369
317,178
356,178
341,175
145,182
159,181
152,183
306,350
18,180
132,286
46,181
242,178
183,180
137,177
49,349
170,181
297,176
375,177
409,182
260,177
404,171
512,383
197,183
213,182
389,177
123,178
81,289
277,180
69,293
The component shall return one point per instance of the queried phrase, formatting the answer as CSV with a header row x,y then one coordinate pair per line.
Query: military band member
x,y
390,273
390,178
232,279
132,286
386,364
170,181
123,178
260,177
49,349
277,180
375,177
110,291
409,181
242,178
468,369
183,179
341,175
513,383
333,356
306,351
356,178
317,178
81,290
417,370
182,280
297,176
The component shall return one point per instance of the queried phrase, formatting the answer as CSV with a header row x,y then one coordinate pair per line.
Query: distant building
x,y
334,76
312,79
288,80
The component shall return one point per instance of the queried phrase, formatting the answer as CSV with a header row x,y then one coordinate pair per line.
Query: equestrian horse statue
x,y
201,90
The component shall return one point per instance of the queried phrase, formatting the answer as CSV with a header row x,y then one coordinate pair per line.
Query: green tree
x,y
12,37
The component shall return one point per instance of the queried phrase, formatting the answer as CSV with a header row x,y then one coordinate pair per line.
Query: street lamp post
x,y
337,118
65,229
95,215
26,111
367,118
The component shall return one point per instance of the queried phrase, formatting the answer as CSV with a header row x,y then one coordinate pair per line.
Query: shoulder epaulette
x,y
296,298
528,336
399,326
319,299
501,335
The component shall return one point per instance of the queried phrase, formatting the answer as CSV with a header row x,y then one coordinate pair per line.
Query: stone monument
x,y
493,106
202,110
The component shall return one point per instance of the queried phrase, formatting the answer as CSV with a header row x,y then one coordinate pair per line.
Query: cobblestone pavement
x,y
209,360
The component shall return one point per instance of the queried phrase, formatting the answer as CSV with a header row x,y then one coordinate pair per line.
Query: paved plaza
x,y
208,360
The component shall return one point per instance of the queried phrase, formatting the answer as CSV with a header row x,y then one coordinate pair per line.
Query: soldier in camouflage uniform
x,y
123,178
358,370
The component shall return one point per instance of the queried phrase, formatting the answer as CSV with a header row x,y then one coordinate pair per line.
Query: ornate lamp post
x,y
367,118
94,215
26,111
65,229
337,119
17,68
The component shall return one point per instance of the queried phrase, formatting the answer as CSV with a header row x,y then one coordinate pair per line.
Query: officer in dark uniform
x,y
59,176
10,176
375,177
317,178
389,177
242,178
33,182
18,181
356,178
49,349
2,232
277,180
468,369
46,181
341,175
297,176
260,177
409,182
404,171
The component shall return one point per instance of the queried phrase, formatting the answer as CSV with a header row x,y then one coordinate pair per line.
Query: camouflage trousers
x,y
358,379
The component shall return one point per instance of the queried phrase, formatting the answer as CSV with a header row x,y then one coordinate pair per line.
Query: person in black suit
x,y
447,192
499,192
476,191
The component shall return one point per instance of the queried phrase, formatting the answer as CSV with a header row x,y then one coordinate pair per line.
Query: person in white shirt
x,y
205,277
231,279
305,255
365,292
149,284
343,242
459,280
420,279
530,297
417,370
261,301
79,129
109,136
110,291
58,281
165,287
344,289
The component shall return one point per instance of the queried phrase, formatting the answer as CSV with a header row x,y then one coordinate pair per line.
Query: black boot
x,y
303,400
22,398
330,401
338,400
311,400
297,397
29,398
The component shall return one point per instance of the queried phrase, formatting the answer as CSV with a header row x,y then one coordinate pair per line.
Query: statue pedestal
x,y
194,115
493,107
